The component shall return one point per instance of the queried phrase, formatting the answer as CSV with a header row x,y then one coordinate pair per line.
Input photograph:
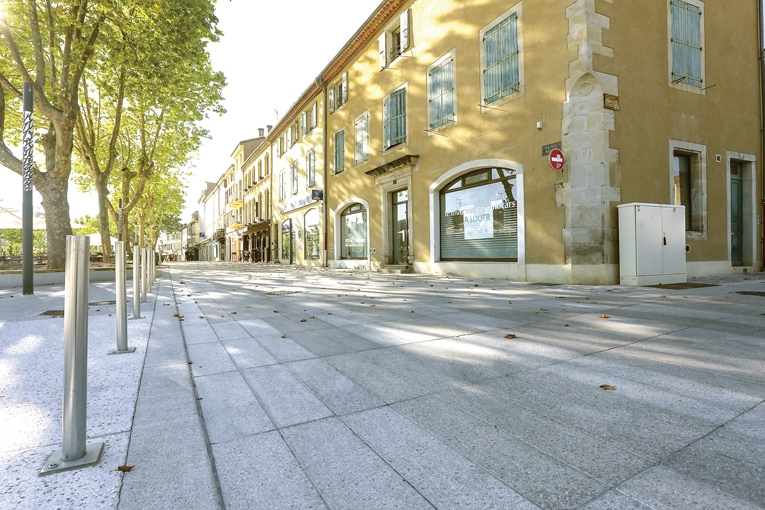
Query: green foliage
x,y
11,238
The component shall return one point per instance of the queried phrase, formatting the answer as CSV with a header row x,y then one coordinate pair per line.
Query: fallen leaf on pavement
x,y
607,387
604,316
509,335
125,469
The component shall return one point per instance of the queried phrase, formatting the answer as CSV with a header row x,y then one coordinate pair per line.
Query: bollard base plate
x,y
55,462
117,351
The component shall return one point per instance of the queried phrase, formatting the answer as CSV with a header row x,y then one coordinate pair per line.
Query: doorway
x,y
736,215
400,227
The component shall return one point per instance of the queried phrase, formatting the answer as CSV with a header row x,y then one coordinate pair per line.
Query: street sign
x,y
556,160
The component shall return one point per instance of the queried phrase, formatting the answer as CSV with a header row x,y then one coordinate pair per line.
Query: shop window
x,y
353,233
288,241
312,235
479,217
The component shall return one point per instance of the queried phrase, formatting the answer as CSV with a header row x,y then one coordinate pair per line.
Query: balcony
x,y
236,203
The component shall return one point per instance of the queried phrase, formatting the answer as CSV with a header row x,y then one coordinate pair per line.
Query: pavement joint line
x,y
197,398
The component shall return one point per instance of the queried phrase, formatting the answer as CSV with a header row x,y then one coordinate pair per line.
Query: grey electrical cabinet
x,y
651,244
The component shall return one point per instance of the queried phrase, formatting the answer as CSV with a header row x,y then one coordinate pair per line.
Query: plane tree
x,y
143,100
70,50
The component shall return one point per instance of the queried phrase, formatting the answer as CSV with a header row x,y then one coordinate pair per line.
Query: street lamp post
x,y
27,228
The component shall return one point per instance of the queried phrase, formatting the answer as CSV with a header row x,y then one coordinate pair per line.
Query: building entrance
x,y
400,227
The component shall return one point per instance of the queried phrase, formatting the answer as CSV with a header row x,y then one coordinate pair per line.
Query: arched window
x,y
353,232
479,218
312,236
288,241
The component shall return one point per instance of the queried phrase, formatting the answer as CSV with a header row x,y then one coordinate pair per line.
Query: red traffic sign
x,y
556,160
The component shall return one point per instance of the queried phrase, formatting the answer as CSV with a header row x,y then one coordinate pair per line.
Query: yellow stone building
x,y
496,139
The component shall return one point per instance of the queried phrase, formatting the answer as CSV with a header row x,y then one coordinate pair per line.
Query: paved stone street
x,y
340,389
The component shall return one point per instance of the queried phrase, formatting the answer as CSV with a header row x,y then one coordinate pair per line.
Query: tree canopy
x,y
124,84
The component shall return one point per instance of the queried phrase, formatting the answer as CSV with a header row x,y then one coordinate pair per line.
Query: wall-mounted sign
x,y
317,194
547,149
556,160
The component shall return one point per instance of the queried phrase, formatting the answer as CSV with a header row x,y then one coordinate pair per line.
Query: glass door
x,y
400,227
736,216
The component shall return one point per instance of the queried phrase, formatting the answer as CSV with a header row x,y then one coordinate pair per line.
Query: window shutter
x,y
386,123
304,119
288,134
332,98
381,42
344,87
314,114
404,30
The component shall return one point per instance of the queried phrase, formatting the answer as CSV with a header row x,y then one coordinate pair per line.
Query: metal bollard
x,y
74,452
144,275
121,291
136,282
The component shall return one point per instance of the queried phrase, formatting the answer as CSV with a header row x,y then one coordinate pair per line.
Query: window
x,y
688,183
288,240
362,138
353,232
478,216
282,185
339,151
312,237
501,49
294,176
394,118
338,93
310,168
441,92
395,40
309,119
686,44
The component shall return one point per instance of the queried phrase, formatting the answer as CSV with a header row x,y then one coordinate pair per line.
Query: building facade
x,y
496,139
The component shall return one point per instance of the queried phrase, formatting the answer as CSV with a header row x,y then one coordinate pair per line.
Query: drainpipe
x,y
320,82
761,51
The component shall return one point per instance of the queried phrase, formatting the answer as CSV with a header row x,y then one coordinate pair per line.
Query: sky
x,y
270,53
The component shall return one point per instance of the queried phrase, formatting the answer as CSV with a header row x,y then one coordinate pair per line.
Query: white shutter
x,y
332,98
404,30
383,51
344,87
314,114
304,119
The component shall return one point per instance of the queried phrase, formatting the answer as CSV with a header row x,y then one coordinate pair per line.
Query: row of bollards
x,y
75,452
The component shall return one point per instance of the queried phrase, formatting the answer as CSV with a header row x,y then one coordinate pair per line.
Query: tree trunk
x,y
53,189
103,217
53,186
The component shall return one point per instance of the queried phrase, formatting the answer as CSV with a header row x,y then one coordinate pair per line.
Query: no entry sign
x,y
556,160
